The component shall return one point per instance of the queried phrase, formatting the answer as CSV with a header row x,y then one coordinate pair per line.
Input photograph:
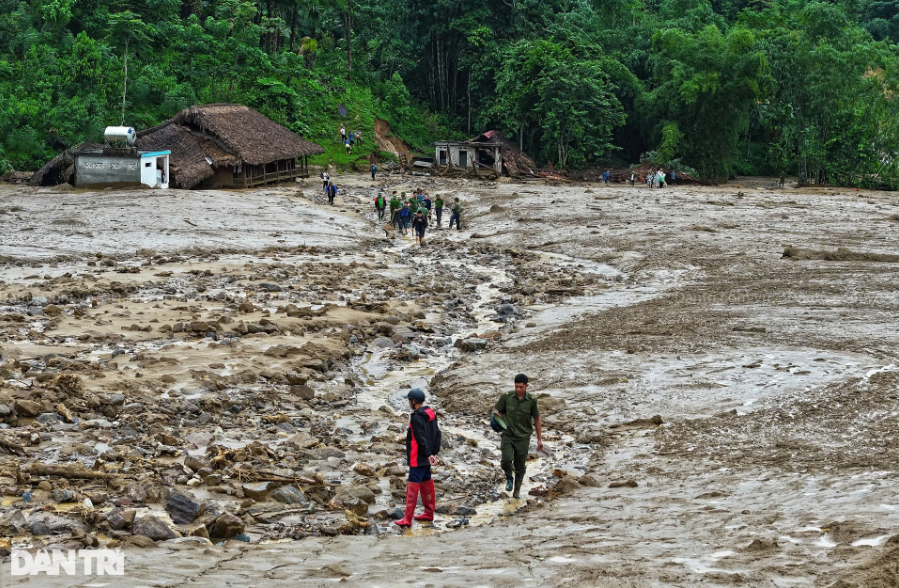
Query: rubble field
x,y
214,380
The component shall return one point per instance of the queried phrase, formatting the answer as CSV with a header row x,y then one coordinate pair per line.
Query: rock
x,y
153,528
139,541
183,509
38,528
200,531
28,408
531,325
303,440
473,345
364,469
135,493
296,379
225,526
242,537
289,495
120,519
589,481
384,327
506,310
623,484
304,392
52,310
12,524
382,342
199,439
258,490
269,287
396,513
195,463
361,492
567,484
61,495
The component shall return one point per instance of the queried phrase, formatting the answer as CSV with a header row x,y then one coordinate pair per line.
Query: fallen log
x,y
61,471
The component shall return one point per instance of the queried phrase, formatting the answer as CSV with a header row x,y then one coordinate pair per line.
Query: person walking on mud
x,y
456,216
438,209
380,206
374,170
783,178
332,192
419,226
605,177
325,180
405,217
422,446
520,412
633,177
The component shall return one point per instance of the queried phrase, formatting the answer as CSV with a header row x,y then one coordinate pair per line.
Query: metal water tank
x,y
120,134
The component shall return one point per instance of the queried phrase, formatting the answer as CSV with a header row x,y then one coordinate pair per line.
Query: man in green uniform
x,y
518,409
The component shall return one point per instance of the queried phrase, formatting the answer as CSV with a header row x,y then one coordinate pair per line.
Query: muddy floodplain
x,y
215,380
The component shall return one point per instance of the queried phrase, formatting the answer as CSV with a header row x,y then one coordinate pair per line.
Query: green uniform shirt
x,y
438,204
518,414
457,207
394,203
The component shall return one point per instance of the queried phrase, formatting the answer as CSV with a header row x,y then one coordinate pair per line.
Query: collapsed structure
x,y
212,146
489,154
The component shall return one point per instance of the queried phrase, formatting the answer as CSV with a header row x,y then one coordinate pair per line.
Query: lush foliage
x,y
722,86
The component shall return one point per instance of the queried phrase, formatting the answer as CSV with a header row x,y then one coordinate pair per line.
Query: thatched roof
x,y
59,169
193,155
514,159
248,134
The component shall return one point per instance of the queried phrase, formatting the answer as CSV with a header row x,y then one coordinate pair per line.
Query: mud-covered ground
x,y
715,413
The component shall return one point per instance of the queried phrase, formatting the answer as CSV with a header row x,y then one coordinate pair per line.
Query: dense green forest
x,y
717,86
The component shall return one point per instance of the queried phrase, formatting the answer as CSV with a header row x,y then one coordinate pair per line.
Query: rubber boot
x,y
412,489
429,500
508,484
518,481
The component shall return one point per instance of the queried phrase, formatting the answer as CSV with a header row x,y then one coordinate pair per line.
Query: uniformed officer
x,y
521,415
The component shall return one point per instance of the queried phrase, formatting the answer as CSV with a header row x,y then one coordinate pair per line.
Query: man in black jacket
x,y
422,447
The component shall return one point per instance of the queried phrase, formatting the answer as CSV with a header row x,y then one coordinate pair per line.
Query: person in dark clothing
x,y
427,204
405,217
332,192
456,216
422,446
374,170
419,225
438,209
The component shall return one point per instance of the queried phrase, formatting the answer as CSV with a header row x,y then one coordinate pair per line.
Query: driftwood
x,y
7,446
78,472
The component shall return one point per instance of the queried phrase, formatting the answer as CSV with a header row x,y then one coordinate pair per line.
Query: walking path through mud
x,y
715,413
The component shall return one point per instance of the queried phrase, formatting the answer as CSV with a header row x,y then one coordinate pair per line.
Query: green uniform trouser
x,y
515,452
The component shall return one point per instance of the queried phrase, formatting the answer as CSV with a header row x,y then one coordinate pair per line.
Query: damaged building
x,y
489,154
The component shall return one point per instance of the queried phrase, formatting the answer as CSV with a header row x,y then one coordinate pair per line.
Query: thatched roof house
x,y
219,145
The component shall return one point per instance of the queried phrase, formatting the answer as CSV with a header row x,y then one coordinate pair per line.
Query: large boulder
x,y
183,509
153,528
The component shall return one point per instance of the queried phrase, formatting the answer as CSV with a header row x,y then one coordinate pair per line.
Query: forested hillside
x,y
721,86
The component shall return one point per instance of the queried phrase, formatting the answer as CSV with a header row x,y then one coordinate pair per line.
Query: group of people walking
x,y
417,211
516,410
349,140
656,179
